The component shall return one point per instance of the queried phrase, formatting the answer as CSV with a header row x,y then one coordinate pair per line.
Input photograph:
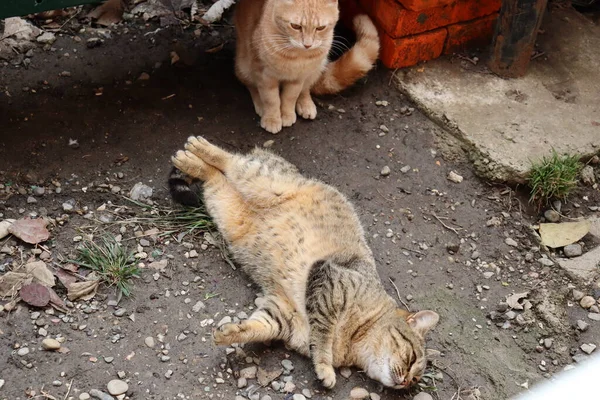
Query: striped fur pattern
x,y
303,243
281,56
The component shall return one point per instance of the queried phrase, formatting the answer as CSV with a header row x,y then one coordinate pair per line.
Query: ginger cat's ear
x,y
423,321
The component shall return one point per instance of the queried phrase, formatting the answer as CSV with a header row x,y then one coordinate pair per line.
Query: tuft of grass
x,y
111,261
553,177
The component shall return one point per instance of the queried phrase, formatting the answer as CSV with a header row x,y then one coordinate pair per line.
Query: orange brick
x,y
410,50
420,5
470,34
398,21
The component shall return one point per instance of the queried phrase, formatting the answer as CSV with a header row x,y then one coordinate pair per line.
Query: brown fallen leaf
x,y
215,49
65,278
11,283
56,301
82,290
174,57
32,231
40,272
35,294
110,12
265,377
70,267
563,234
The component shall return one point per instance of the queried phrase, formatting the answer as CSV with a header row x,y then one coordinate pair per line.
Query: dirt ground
x,y
431,236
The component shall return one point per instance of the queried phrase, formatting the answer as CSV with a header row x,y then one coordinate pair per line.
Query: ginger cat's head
x,y
304,24
394,351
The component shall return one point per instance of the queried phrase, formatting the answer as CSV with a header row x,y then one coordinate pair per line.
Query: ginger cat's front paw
x,y
271,124
326,374
306,108
288,119
224,334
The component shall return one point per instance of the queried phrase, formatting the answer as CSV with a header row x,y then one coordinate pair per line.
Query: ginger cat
x,y
302,242
281,56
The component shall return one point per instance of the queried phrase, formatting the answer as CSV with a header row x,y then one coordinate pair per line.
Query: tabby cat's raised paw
x,y
225,334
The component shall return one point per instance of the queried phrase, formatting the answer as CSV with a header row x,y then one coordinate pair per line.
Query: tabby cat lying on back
x,y
281,56
302,242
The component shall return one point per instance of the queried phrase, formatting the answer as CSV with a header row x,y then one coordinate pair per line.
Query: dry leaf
x,y
63,350
65,278
265,377
29,230
4,227
82,290
56,301
70,267
110,12
563,234
513,300
41,274
215,49
35,294
11,283
174,57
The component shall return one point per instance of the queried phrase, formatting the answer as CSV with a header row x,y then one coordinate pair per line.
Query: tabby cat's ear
x,y
423,321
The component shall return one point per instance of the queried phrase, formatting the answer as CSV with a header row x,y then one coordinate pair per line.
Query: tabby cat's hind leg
x,y
261,327
209,153
193,166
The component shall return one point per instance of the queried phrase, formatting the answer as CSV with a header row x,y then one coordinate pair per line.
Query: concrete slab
x,y
585,267
507,123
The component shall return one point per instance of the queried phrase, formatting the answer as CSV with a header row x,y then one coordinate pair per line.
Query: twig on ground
x,y
398,294
444,225
68,391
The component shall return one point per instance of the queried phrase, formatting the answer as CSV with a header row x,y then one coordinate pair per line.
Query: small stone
x,y
140,192
454,177
587,175
573,250
268,144
149,341
169,374
100,395
582,325
198,306
242,383
84,396
359,393
510,242
548,343
546,262
488,275
510,315
120,312
50,344
345,372
225,320
577,295
109,360
588,348
423,396
405,169
46,38
594,316
453,248
587,301
31,200
307,393
289,387
475,255
287,365
117,387
298,396
23,351
144,76
93,42
385,171
552,216
182,336
249,372
375,396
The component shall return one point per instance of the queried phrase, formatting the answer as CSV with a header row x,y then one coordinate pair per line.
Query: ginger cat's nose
x,y
307,46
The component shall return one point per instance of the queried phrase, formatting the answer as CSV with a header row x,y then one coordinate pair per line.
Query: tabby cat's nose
x,y
307,46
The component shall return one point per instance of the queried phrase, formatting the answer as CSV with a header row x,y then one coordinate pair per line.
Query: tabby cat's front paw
x,y
326,374
271,124
288,119
225,334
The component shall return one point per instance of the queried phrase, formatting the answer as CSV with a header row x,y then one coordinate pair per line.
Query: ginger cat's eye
x,y
296,27
320,28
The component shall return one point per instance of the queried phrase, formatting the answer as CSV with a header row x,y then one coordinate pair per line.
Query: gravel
x,y
117,387
573,250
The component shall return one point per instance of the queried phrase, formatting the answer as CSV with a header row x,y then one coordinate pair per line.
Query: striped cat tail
x,y
355,63
179,187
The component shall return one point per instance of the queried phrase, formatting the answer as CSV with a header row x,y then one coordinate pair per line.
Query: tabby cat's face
x,y
306,24
397,356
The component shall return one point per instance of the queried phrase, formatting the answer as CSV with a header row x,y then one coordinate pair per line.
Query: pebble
x,y
548,343
573,250
582,325
359,393
117,387
594,316
385,171
139,191
23,351
577,295
193,254
588,348
120,312
298,396
289,387
242,383
84,396
552,216
405,169
509,242
108,360
287,365
198,306
149,341
249,372
587,175
31,200
423,396
100,395
225,320
488,275
307,393
454,177
46,38
546,262
587,301
169,374
375,396
345,372
50,344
